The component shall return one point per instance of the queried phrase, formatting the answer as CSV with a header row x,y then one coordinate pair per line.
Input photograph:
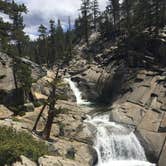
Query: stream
x,y
116,145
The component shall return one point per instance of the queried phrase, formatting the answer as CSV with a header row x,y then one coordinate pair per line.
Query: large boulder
x,y
6,76
56,161
37,70
127,113
83,153
152,142
5,113
8,94
151,121
28,107
24,161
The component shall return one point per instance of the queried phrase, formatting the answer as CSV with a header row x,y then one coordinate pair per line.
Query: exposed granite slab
x,y
151,120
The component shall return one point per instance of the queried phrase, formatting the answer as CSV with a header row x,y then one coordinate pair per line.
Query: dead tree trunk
x,y
38,118
51,112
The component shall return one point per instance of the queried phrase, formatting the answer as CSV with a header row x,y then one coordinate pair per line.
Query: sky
x,y
41,11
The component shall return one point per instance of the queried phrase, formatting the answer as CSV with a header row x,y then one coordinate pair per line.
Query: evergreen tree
x,y
106,26
78,28
68,42
52,43
4,35
18,35
96,12
127,12
43,45
86,19
60,44
21,71
114,8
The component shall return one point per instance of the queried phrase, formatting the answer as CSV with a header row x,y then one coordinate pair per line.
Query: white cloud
x,y
41,11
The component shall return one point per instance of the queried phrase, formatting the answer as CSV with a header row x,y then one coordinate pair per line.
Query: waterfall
x,y
77,93
115,144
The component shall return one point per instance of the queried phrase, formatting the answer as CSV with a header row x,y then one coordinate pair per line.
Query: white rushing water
x,y
77,93
115,144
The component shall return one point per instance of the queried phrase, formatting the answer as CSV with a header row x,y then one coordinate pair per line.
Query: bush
x,y
71,153
14,144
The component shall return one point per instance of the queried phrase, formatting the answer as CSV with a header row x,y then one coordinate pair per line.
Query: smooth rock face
x,y
151,121
24,162
5,113
28,107
6,74
37,71
152,142
127,113
56,161
7,85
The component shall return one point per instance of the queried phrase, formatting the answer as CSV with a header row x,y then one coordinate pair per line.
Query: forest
x,y
126,42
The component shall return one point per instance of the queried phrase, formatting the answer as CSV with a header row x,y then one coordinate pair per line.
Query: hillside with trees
x,y
107,61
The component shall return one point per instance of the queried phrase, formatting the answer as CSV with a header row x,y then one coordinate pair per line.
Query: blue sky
x,y
41,11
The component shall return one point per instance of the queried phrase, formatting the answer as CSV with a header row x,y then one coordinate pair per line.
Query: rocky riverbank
x,y
135,96
70,143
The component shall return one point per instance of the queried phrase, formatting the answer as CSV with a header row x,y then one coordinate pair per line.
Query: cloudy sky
x,y
41,11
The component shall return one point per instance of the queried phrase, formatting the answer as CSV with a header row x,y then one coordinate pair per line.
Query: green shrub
x,y
13,144
61,128
71,153
62,97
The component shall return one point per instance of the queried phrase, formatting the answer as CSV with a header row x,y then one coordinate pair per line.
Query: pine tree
x,y
4,35
86,19
114,8
21,71
68,42
78,28
60,44
95,12
127,8
158,14
52,44
43,45
106,26
18,34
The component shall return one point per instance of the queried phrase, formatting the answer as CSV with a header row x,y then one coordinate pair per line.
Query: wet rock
x,y
5,113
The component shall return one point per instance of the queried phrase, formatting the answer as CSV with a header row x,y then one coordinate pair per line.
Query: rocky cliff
x,y
135,96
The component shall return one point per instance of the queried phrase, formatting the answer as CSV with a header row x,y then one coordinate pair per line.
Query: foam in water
x,y
115,144
76,92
